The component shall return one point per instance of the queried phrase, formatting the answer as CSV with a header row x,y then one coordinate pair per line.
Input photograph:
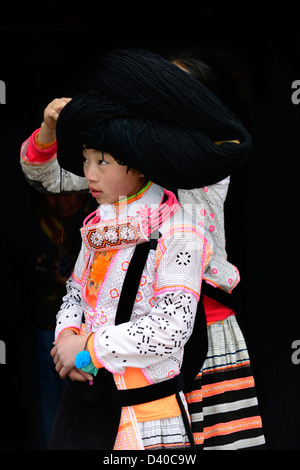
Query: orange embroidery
x,y
98,271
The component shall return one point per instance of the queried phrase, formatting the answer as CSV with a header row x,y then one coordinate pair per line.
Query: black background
x,y
254,51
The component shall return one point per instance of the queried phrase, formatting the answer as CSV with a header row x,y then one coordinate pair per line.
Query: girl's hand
x,y
80,375
64,353
51,113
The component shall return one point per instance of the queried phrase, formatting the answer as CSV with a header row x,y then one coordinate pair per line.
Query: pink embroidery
x,y
102,319
171,289
143,281
214,271
95,318
203,212
138,297
152,302
230,281
125,265
171,374
211,228
114,293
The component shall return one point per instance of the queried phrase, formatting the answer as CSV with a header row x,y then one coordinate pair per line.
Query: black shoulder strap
x,y
195,350
132,280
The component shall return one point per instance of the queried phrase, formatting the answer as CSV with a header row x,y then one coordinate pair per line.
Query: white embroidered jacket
x,y
163,315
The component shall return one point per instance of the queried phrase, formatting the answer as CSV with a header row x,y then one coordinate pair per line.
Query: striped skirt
x,y
222,404
165,434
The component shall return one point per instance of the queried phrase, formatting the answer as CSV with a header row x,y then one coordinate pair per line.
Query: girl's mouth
x,y
95,192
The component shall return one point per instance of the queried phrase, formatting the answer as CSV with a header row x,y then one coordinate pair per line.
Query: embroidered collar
x,y
126,201
101,232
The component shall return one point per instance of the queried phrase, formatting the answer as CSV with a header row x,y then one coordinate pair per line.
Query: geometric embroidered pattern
x,y
112,234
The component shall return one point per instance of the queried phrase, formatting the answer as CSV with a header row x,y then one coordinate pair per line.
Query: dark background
x,y
254,51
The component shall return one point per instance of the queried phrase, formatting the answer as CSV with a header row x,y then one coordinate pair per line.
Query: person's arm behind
x,y
38,156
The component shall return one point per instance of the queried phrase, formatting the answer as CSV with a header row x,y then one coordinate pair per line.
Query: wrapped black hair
x,y
151,115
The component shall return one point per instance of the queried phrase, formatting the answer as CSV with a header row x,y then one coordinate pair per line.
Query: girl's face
x,y
108,181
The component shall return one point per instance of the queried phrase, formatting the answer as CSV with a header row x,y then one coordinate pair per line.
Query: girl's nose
x,y
91,174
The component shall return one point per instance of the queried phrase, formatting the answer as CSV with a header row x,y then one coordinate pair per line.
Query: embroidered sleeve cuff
x,y
38,152
76,330
90,348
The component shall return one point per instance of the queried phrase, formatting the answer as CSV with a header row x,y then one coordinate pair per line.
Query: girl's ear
x,y
138,173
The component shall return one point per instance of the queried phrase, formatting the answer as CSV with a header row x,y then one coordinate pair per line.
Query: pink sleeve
x,y
35,154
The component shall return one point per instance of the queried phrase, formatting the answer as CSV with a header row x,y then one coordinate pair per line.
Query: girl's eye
x,y
102,162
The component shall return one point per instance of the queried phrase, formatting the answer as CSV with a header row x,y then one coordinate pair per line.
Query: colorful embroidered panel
x,y
113,234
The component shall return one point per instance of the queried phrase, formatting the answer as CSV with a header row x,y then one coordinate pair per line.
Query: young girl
x,y
91,289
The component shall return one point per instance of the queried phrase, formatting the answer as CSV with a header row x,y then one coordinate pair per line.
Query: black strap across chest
x,y
132,280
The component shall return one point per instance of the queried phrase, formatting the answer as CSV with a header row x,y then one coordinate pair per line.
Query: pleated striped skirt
x,y
222,403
